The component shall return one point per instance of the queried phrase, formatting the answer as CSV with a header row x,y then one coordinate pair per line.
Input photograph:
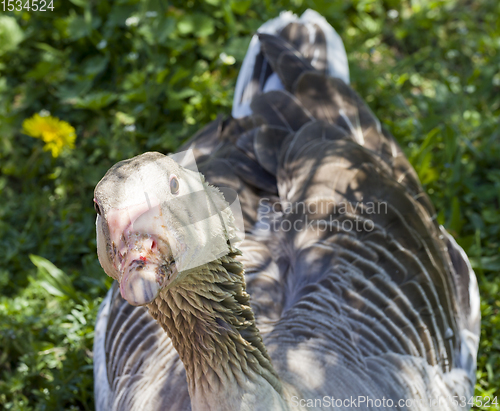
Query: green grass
x,y
430,70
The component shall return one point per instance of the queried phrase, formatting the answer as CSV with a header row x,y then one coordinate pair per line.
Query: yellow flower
x,y
56,134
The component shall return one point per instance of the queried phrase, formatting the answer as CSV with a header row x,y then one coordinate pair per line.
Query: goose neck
x,y
212,326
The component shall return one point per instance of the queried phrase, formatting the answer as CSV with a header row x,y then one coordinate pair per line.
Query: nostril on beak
x,y
150,245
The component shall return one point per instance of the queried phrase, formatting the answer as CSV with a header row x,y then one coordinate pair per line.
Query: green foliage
x,y
136,76
10,34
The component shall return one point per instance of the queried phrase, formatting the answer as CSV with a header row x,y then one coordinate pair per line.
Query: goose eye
x,y
174,184
97,208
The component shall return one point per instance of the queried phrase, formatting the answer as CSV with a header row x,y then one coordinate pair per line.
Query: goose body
x,y
351,294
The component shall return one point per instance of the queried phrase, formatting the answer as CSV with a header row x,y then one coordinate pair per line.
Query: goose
x,y
286,258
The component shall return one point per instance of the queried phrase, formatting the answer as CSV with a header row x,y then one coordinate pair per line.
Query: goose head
x,y
156,222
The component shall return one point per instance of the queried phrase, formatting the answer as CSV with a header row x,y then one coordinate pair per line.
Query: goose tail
x,y
311,36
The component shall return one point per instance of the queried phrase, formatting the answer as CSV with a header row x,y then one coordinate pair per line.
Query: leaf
x,y
124,118
237,47
148,34
49,49
10,34
43,69
55,281
456,221
163,29
186,24
198,24
119,14
491,216
240,6
160,77
426,172
96,64
77,27
204,25
486,263
96,100
69,92
138,95
80,3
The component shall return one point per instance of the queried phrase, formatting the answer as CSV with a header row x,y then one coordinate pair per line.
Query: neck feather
x,y
208,317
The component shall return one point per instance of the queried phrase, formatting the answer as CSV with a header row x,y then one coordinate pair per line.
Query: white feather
x,y
470,334
241,102
336,55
